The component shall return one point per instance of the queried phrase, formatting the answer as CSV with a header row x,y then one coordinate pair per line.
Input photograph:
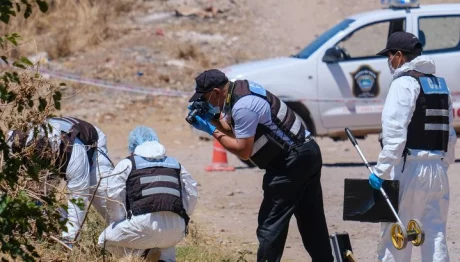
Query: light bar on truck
x,y
400,3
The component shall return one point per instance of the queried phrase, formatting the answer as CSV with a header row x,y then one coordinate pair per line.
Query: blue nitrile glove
x,y
204,125
375,181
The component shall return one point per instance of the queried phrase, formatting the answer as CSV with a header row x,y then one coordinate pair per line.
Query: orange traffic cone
x,y
219,159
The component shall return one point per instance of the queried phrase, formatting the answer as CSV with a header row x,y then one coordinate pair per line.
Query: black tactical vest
x,y
429,126
268,145
154,186
72,128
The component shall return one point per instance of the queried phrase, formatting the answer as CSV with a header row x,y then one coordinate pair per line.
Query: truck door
x,y
359,75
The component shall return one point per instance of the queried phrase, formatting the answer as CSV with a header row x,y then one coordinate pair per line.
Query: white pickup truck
x,y
337,81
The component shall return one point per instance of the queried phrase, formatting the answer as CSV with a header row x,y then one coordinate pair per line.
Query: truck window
x,y
439,33
318,42
367,41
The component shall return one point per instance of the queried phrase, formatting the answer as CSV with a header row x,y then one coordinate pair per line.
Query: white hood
x,y
151,150
422,64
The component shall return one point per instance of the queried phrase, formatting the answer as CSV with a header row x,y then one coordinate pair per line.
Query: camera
x,y
198,108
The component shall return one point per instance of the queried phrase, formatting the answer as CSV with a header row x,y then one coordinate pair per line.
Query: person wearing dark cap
x,y
418,146
257,126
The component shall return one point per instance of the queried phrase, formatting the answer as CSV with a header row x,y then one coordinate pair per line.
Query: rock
x,y
109,116
208,12
190,11
195,37
235,38
154,18
120,106
176,63
159,32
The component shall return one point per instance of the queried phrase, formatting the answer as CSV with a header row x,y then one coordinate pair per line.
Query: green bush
x,y
28,194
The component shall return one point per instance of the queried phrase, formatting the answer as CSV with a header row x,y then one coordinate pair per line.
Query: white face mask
x,y
392,69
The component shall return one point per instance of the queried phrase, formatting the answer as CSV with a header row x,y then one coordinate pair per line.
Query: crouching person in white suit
x,y
158,195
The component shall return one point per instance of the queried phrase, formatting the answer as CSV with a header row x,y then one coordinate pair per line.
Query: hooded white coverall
x,y
162,230
82,180
81,177
424,186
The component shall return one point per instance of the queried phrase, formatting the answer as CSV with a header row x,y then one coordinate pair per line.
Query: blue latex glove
x,y
204,125
375,181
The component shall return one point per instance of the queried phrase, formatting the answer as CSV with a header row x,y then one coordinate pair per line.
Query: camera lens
x,y
191,116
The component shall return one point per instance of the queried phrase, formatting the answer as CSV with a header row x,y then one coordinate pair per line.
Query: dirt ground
x,y
164,53
229,201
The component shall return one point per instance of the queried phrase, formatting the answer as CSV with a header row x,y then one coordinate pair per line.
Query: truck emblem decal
x,y
365,82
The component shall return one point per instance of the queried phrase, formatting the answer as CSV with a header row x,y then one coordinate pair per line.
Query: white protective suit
x,y
162,230
424,186
81,178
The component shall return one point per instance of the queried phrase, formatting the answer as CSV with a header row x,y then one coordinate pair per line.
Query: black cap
x,y
206,81
404,42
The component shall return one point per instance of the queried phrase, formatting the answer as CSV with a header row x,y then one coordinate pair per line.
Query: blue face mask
x,y
213,110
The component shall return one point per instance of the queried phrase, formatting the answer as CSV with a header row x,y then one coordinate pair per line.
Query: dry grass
x,y
196,247
200,247
67,27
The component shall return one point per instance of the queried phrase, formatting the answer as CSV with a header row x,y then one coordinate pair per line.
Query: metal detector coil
x,y
400,236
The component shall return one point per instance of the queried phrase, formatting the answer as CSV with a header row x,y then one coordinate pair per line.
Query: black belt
x,y
287,150
308,139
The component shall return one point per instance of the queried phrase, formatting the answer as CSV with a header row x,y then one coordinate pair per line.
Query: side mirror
x,y
332,55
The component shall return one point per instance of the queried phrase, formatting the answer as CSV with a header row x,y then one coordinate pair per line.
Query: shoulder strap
x,y
133,162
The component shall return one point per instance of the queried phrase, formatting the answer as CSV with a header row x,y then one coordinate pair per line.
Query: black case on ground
x,y
340,243
364,204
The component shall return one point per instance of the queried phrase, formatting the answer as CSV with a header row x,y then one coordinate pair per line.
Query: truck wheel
x,y
302,111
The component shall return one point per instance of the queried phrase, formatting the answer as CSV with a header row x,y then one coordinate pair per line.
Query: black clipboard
x,y
364,204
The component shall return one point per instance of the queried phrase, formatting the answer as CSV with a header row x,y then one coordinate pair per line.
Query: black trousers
x,y
292,186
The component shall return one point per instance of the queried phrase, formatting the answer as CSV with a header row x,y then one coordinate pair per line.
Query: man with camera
x,y
260,127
